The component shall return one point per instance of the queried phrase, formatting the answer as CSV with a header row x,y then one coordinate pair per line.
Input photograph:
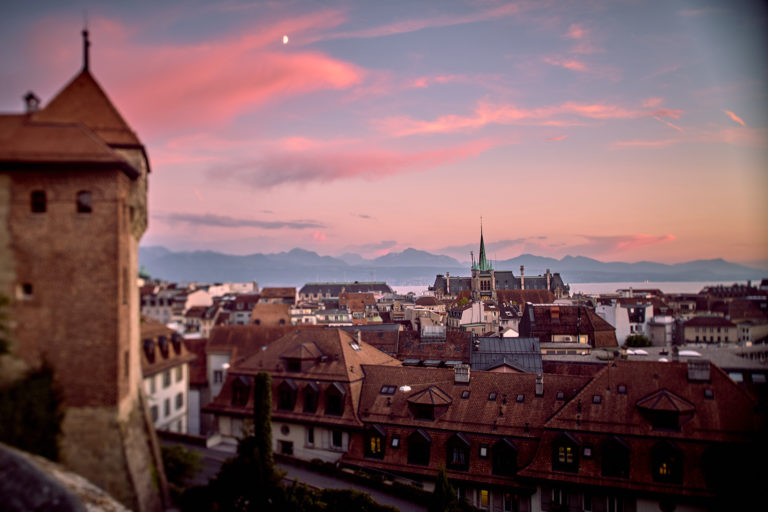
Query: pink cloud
x,y
489,113
576,31
562,137
608,245
735,118
647,143
413,25
572,64
652,102
162,87
275,168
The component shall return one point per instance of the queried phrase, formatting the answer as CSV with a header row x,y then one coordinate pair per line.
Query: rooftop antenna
x,y
86,42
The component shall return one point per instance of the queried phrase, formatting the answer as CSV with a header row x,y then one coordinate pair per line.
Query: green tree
x,y
444,496
637,340
180,465
462,301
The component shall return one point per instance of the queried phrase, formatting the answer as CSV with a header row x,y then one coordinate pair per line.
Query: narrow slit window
x,y
84,202
38,201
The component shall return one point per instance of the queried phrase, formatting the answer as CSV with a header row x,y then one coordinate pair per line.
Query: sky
x,y
619,130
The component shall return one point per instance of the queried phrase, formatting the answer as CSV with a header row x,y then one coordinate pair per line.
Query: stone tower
x,y
73,206
483,275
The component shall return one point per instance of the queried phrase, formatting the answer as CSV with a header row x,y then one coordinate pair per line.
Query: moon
x,y
285,39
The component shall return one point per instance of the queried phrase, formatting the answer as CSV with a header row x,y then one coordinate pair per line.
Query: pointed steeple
x,y
482,262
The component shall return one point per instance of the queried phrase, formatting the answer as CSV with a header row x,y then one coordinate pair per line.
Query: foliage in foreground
x,y
637,340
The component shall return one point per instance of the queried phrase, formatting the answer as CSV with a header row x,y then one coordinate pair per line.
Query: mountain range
x,y
412,267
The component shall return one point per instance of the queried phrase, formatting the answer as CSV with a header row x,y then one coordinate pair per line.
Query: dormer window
x,y
504,457
388,390
615,458
293,365
84,202
375,441
565,453
149,349
334,399
667,463
286,395
419,446
241,391
311,397
38,202
665,410
162,342
429,403
176,342
458,447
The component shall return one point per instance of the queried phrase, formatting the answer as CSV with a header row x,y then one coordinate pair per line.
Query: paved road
x,y
212,459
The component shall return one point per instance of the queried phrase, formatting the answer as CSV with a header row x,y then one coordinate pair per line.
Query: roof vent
x,y
698,370
461,374
31,102
539,384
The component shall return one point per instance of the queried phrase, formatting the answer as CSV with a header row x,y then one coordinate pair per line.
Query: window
x,y
167,407
465,394
375,440
179,401
492,396
596,399
615,504
152,385
218,376
37,201
458,452
311,394
419,446
736,376
84,202
336,439
709,394
565,455
166,379
387,390
666,462
504,457
485,498
615,458
334,399
483,453
520,398
153,412
179,373
622,389
286,447
286,395
293,365
310,436
587,451
423,411
241,390
395,441
25,291
560,395
558,497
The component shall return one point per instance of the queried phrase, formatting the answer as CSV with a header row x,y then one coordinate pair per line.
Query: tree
x,y
180,465
444,497
637,340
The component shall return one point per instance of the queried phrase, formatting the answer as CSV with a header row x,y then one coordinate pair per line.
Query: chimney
x,y
539,384
461,374
522,277
31,102
549,280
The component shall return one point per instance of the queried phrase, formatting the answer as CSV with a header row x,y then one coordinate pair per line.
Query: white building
x,y
165,370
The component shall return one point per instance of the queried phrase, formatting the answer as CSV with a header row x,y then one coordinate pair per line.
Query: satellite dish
x,y
405,388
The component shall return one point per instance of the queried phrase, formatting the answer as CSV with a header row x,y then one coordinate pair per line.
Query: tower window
x,y
38,201
84,202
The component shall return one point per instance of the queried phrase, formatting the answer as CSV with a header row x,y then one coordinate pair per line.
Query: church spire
x,y
482,261
86,46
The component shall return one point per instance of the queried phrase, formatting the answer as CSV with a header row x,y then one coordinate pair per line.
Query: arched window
x,y
419,445
615,458
37,201
667,463
565,453
84,202
504,458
